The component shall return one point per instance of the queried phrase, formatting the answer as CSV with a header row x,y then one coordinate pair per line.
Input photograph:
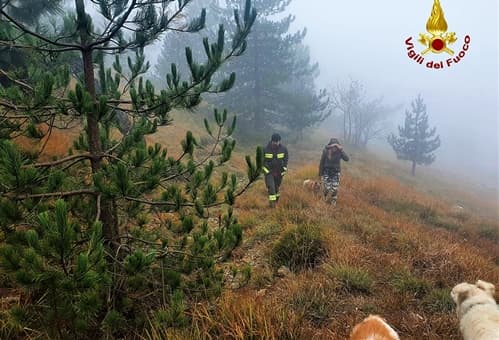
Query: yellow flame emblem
x,y
439,38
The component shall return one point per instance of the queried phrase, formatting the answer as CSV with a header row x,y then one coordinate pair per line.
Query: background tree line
x,y
275,85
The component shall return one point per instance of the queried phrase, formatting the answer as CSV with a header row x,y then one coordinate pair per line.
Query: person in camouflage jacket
x,y
330,169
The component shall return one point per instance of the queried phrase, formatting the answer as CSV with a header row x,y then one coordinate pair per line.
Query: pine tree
x,y
305,107
417,141
269,65
98,238
28,12
264,94
172,47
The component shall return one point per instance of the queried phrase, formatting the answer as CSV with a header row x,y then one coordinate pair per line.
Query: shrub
x,y
243,317
427,214
439,301
299,248
174,315
489,232
401,206
314,301
266,231
261,276
446,223
405,282
65,275
353,280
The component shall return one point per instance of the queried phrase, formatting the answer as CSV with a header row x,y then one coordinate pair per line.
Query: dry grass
x,y
56,144
395,244
241,316
392,250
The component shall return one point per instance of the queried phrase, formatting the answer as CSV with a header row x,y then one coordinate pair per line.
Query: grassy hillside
x,y
395,245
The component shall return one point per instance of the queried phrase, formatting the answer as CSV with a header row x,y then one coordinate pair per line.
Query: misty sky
x,y
365,40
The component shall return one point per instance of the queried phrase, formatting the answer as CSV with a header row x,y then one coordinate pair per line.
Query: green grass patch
x,y
300,248
430,216
439,301
266,231
352,279
314,301
401,206
489,232
406,283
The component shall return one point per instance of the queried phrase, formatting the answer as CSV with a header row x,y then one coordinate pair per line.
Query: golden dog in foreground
x,y
374,327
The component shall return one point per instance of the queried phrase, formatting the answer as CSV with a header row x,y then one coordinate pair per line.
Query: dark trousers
x,y
273,183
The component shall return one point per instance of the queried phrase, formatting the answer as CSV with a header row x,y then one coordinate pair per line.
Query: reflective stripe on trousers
x,y
273,183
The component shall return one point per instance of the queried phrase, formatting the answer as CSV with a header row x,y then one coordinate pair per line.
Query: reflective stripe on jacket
x,y
275,159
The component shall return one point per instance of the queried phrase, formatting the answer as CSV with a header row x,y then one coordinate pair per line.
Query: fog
x,y
365,40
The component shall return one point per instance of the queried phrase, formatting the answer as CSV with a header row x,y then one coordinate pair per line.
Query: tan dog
x,y
477,310
312,185
373,327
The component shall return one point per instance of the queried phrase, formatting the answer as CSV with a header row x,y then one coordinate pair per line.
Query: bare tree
x,y
345,101
363,118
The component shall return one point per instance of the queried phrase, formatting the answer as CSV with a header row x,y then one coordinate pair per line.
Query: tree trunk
x,y
108,215
258,123
413,171
349,138
344,126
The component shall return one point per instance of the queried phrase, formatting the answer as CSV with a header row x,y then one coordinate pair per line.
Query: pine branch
x,y
98,208
116,29
54,194
16,81
12,106
10,44
26,108
51,126
156,203
170,204
68,47
198,164
60,161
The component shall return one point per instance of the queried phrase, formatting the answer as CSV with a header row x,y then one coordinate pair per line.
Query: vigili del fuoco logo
x,y
437,41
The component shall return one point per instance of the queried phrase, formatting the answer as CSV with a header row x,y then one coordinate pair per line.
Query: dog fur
x,y
312,185
374,327
477,310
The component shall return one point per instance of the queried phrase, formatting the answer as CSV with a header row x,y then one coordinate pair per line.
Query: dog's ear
x,y
487,287
461,292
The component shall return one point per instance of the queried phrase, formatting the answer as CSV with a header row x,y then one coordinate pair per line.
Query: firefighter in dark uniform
x,y
275,165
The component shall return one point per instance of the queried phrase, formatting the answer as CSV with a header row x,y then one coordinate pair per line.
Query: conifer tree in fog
x,y
416,141
275,86
305,106
264,94
173,43
28,12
